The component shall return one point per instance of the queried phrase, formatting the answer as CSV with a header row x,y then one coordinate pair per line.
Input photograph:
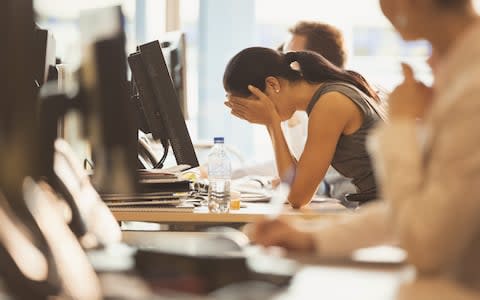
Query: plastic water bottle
x,y
219,173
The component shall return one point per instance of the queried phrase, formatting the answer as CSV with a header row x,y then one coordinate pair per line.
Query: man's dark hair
x,y
324,39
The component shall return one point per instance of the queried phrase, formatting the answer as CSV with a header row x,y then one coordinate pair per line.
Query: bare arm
x,y
261,110
329,119
284,159
337,239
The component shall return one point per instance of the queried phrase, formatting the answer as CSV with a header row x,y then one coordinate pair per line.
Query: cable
x,y
159,164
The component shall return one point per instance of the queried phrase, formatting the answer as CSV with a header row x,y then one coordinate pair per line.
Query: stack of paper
x,y
157,188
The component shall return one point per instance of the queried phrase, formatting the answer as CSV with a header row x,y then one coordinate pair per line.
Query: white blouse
x,y
429,178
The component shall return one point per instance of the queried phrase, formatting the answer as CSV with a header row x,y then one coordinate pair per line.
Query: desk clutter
x,y
160,190
157,189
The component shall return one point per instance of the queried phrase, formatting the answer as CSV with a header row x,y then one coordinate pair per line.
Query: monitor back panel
x,y
169,106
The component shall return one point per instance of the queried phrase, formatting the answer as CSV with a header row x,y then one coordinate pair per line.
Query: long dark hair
x,y
253,65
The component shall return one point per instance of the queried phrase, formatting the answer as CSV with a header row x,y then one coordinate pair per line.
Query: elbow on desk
x,y
296,204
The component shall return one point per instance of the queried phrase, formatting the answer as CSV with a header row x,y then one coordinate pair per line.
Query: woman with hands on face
x,y
267,87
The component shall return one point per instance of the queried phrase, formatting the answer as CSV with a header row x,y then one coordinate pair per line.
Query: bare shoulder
x,y
338,111
335,104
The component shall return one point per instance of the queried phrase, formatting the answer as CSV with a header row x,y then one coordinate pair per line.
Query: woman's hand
x,y
411,99
258,111
280,233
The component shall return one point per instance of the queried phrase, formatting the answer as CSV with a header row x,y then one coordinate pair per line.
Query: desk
x,y
252,213
328,281
313,281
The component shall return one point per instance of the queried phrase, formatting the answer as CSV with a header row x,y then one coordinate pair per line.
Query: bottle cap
x,y
218,140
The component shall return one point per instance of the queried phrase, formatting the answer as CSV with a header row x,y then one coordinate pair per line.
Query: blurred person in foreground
x,y
427,158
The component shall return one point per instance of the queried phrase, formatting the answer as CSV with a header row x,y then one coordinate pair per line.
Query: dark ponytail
x,y
315,68
252,66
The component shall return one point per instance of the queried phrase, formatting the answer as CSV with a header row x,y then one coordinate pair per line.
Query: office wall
x,y
220,36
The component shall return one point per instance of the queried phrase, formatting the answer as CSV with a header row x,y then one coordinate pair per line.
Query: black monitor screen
x,y
148,107
174,50
111,126
164,104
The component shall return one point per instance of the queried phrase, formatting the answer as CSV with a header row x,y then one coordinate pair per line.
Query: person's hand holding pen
x,y
279,232
273,231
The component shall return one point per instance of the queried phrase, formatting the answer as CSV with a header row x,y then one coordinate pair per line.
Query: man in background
x,y
321,38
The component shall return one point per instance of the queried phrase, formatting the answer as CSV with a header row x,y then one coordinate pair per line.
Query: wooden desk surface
x,y
251,213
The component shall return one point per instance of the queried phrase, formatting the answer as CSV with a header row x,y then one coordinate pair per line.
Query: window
x,y
375,50
61,17
217,29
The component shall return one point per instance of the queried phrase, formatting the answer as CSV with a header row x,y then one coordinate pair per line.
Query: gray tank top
x,y
351,158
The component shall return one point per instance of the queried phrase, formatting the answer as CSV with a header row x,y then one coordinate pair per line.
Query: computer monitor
x,y
160,103
111,126
174,49
142,86
148,120
18,136
43,54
